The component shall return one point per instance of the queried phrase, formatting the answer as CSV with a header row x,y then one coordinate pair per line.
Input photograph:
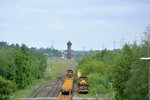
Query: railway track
x,y
49,89
37,91
53,92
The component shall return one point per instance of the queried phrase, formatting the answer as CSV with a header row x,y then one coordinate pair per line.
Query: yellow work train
x,y
82,83
67,88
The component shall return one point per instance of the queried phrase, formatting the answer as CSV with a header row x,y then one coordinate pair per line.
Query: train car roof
x,y
67,84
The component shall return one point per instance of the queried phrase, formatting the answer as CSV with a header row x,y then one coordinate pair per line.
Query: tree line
x,y
19,65
121,72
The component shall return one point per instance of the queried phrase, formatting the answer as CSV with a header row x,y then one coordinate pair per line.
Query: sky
x,y
88,24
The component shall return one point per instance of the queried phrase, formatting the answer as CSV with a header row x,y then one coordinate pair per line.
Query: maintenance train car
x,y
67,88
79,73
69,74
82,83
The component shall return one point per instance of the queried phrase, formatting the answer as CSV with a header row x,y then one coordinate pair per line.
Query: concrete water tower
x,y
69,51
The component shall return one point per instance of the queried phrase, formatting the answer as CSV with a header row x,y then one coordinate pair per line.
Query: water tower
x,y
69,51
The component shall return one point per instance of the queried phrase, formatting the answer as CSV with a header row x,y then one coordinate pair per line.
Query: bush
x,y
6,87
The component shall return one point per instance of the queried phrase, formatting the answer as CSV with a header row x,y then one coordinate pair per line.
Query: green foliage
x,y
136,86
7,67
6,87
38,64
97,84
20,64
129,74
123,71
22,69
48,52
95,67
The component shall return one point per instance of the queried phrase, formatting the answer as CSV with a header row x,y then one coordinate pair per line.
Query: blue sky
x,y
92,24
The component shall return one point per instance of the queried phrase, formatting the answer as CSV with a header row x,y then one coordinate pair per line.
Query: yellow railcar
x,y
79,73
69,74
67,88
83,85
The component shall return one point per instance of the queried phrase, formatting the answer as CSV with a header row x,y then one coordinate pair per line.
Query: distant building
x,y
69,51
62,54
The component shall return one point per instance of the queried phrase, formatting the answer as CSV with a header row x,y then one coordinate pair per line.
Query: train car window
x,y
65,92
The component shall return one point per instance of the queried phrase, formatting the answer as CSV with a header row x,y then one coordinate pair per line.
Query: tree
x,y
121,72
6,87
7,68
20,65
137,87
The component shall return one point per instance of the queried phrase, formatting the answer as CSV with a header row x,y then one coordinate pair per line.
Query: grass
x,y
55,66
22,93
86,96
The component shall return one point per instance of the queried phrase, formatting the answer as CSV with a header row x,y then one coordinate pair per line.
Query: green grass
x,y
22,93
55,66
105,96
86,96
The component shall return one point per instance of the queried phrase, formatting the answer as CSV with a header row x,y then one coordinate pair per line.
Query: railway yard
x,y
63,87
55,77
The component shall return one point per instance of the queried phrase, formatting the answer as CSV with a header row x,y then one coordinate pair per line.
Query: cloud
x,y
83,21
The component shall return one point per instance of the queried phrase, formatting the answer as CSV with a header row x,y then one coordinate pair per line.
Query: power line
x,y
52,48
114,44
122,41
52,45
